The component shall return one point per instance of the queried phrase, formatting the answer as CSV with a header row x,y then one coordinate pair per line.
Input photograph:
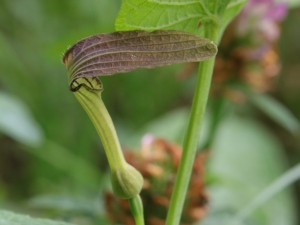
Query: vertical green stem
x,y
136,207
192,135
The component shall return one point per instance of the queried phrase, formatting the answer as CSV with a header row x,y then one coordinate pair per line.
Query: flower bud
x,y
126,182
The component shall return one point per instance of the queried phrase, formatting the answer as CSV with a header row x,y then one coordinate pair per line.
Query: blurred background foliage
x,y
51,160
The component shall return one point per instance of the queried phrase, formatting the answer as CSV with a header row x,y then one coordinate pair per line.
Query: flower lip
x,y
120,52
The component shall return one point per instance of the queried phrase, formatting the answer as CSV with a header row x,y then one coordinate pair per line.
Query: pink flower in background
x,y
261,17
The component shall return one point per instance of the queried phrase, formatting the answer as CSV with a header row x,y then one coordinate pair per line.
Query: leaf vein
x,y
166,25
173,3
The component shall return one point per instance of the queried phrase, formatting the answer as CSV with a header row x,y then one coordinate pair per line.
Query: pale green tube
x,y
126,181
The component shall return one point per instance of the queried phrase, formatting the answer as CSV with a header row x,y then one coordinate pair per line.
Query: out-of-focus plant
x,y
243,156
248,50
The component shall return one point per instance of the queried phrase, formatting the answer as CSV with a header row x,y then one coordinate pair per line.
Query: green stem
x,y
285,180
192,135
136,207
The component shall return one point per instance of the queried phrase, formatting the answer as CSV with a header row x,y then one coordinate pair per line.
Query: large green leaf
x,y
275,110
246,158
170,126
9,218
92,206
64,160
185,15
17,122
233,8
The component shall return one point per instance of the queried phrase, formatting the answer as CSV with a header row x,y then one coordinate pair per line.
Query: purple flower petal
x,y
276,12
258,2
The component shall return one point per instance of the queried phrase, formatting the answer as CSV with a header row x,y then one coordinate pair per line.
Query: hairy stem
x,y
192,135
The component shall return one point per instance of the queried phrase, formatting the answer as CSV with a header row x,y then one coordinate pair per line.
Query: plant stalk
x,y
136,207
192,135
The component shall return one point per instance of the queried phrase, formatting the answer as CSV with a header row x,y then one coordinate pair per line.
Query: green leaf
x,y
92,206
17,122
282,182
245,159
9,218
275,110
64,160
152,15
170,126
187,15
233,8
